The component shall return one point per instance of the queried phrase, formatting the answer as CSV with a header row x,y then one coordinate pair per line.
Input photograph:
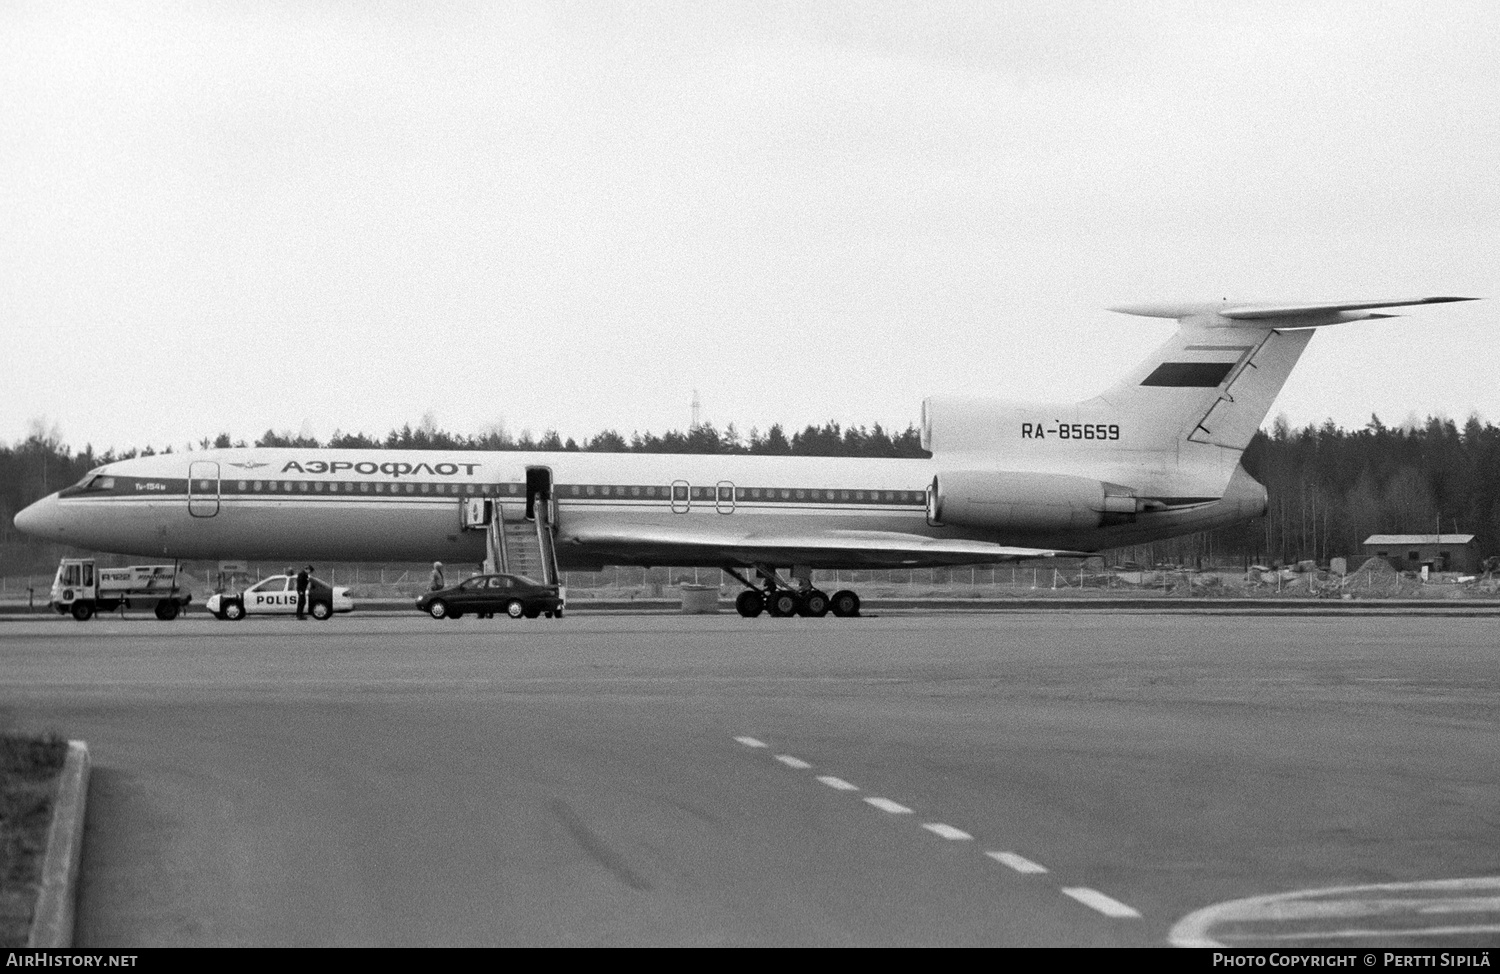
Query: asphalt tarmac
x,y
1049,778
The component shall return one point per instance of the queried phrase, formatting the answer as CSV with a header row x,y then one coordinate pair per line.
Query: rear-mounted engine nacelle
x,y
1027,501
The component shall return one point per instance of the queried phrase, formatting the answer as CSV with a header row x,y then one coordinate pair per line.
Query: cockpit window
x,y
101,483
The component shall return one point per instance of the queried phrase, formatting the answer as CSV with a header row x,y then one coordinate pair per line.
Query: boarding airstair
x,y
518,546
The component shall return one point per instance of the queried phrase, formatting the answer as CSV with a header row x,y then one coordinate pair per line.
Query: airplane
x,y
1155,456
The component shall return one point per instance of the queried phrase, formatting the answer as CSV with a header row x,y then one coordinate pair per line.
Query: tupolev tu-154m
x,y
1156,455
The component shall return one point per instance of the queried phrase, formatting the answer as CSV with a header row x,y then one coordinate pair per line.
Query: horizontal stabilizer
x,y
1253,312
1289,314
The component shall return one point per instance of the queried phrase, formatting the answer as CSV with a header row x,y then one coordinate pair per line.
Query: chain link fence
x,y
1032,581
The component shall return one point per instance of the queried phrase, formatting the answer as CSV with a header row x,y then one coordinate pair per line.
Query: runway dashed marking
x,y
1019,863
1094,899
946,831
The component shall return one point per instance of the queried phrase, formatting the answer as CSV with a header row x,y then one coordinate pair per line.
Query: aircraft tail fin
x,y
1194,402
1215,379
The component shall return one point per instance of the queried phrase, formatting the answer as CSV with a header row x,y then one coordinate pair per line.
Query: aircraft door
x,y
724,497
203,488
682,496
539,488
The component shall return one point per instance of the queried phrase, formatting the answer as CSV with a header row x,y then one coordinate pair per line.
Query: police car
x,y
277,595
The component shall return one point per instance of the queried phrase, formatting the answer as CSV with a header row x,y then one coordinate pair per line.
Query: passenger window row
x,y
680,491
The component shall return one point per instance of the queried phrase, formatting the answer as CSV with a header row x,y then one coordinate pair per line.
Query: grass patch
x,y
29,772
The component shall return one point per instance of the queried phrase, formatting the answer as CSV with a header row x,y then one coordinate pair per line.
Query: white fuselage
x,y
390,505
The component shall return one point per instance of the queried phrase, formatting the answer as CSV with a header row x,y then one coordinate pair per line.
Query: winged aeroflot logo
x,y
251,465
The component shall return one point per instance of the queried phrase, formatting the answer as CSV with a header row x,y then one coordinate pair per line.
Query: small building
x,y
1437,552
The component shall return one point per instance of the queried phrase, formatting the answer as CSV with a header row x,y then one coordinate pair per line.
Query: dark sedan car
x,y
484,595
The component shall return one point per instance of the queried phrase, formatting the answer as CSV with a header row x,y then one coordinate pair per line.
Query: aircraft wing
x,y
640,543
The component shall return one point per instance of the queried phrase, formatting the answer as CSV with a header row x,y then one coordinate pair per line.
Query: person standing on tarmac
x,y
302,578
437,577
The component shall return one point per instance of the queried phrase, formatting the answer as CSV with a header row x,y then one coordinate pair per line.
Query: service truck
x,y
82,589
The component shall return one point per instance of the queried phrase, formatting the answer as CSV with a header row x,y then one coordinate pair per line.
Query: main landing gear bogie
x,y
845,603
750,603
783,603
814,605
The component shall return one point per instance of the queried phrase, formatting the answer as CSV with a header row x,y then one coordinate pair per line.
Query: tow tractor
x,y
82,589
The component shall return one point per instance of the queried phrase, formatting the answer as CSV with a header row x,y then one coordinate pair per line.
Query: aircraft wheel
x,y
166,610
82,611
533,613
815,605
784,604
557,613
438,609
321,611
515,609
845,604
234,611
750,604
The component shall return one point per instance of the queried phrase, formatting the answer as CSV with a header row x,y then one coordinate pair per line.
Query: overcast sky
x,y
312,216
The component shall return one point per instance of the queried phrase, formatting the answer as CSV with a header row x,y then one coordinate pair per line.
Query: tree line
x,y
1329,488
829,440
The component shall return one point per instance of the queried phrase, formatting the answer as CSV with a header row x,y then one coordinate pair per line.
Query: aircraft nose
x,y
39,519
